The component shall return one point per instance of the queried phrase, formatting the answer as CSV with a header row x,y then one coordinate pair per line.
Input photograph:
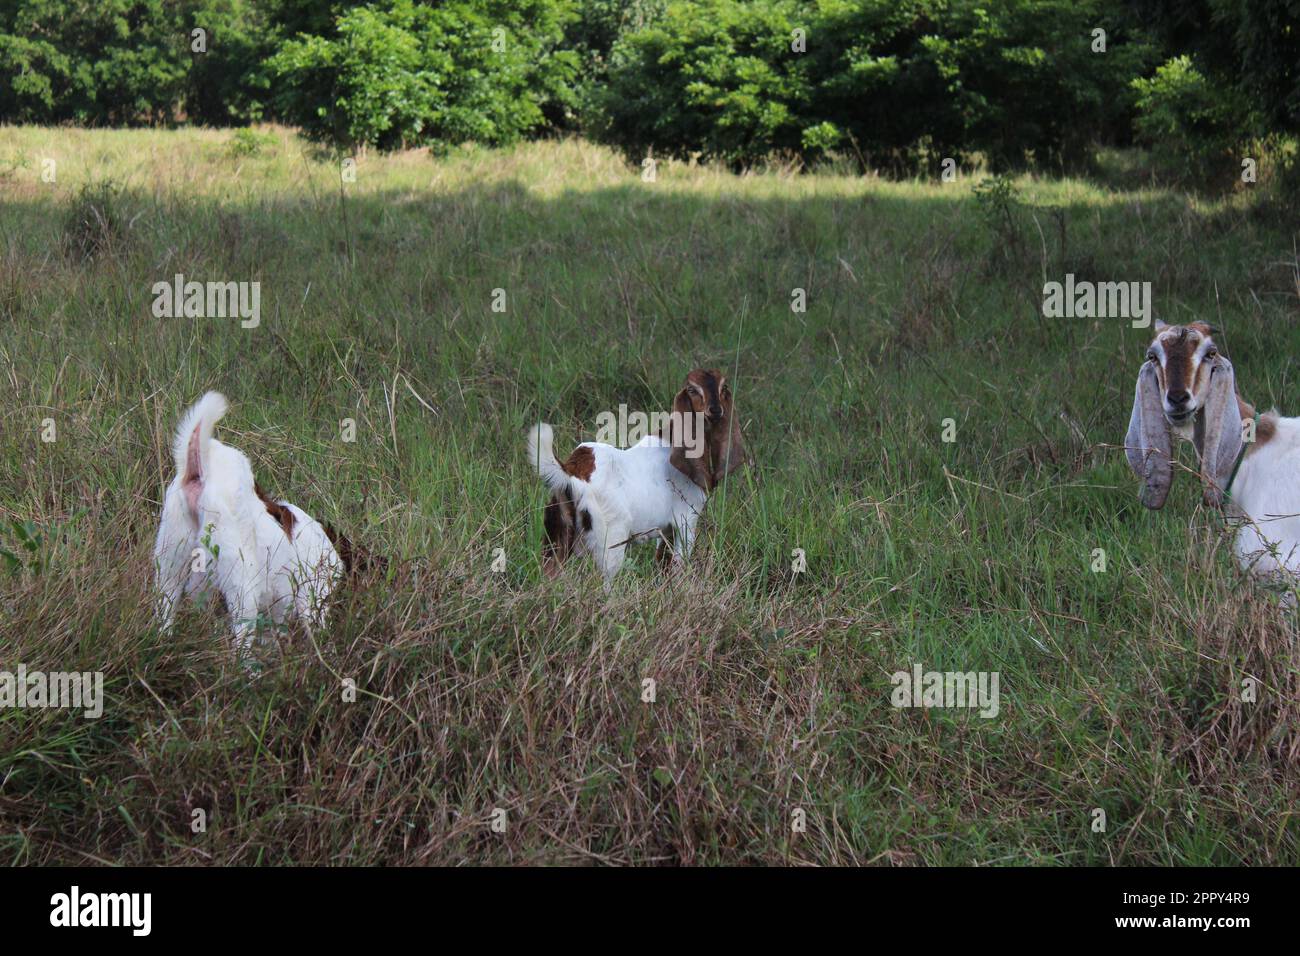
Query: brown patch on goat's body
x,y
559,531
280,514
581,464
1266,428
356,560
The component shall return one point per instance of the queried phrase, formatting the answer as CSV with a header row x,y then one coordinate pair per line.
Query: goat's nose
x,y
1178,397
715,411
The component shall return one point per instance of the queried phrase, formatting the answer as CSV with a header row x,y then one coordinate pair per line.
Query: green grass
x,y
482,690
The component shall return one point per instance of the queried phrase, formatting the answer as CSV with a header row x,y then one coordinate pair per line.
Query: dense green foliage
x,y
409,73
130,62
738,80
115,61
382,74
1228,88
1190,123
895,83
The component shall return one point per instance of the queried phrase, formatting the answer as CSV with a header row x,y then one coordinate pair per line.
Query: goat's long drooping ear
x,y
1218,431
1148,444
696,468
728,451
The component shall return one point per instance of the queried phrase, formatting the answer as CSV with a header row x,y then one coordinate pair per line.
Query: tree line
x,y
894,84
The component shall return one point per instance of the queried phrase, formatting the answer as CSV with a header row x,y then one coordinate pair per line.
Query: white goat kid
x,y
1188,388
220,531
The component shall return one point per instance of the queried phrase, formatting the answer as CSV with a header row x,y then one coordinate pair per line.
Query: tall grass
x,y
480,691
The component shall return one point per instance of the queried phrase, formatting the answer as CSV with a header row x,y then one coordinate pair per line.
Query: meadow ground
x,y
483,690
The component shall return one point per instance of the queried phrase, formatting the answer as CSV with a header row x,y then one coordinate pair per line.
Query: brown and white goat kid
x,y
1187,388
220,531
607,497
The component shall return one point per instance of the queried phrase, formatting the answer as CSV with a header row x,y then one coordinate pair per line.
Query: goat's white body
x,y
1265,497
633,493
225,540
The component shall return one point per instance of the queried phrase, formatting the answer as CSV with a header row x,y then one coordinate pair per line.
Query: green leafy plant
x,y
911,82
403,74
1191,124
93,223
248,142
28,542
998,201
206,541
716,77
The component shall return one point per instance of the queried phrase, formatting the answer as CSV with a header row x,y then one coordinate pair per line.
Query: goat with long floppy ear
x,y
1148,444
707,394
1218,431
605,498
1186,387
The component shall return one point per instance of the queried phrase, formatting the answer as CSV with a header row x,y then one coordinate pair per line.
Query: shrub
x,y
130,62
592,34
364,87
248,142
405,74
93,224
1266,40
1023,81
906,79
716,77
1191,124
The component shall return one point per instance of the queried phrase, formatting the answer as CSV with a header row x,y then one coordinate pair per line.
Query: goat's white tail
x,y
190,448
541,454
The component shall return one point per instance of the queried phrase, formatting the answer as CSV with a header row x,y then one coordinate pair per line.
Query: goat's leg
x,y
684,537
172,565
665,556
608,540
172,559
243,617
241,578
241,599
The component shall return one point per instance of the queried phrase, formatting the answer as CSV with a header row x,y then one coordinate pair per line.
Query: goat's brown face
x,y
706,390
706,393
1182,356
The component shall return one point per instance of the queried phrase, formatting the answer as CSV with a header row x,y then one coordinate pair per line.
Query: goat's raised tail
x,y
541,454
191,447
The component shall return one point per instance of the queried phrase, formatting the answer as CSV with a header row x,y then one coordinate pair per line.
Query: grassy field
x,y
482,690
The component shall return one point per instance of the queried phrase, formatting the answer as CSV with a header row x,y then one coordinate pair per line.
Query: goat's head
x,y
1185,380
707,395
1183,357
